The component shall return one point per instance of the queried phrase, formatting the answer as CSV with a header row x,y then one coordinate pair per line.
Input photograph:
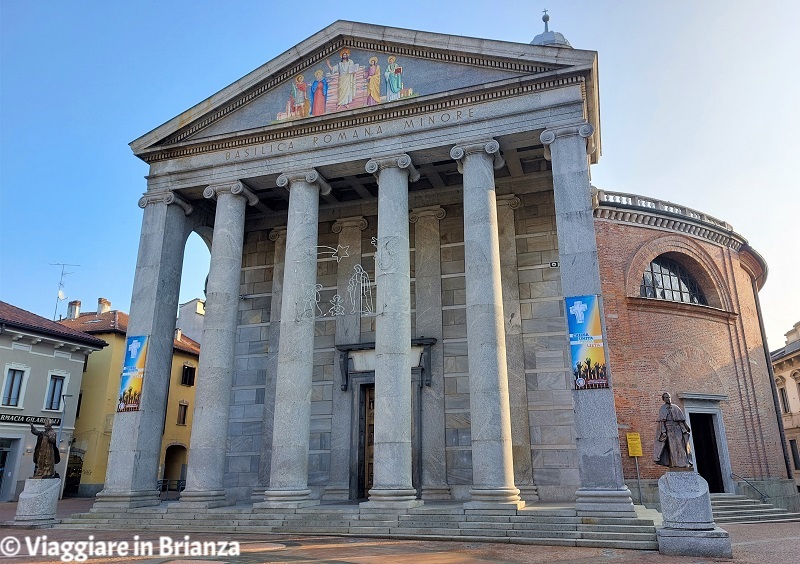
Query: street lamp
x,y
63,412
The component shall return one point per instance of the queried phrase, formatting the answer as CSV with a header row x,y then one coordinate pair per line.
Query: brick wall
x,y
657,346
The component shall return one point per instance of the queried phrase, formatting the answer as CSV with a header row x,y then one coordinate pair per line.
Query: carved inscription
x,y
349,135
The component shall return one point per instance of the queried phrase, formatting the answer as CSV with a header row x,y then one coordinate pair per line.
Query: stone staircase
x,y
541,524
730,508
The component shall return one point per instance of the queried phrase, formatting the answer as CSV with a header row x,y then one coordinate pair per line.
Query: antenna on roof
x,y
61,296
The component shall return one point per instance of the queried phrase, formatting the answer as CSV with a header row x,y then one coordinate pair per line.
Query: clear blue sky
x,y
698,104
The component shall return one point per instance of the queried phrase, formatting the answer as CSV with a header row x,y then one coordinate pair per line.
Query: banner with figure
x,y
130,386
586,342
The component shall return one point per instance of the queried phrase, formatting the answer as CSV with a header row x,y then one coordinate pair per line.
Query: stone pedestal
x,y
689,528
37,502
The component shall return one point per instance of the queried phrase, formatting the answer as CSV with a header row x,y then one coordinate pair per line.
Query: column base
x,y
286,499
108,501
604,503
494,498
203,499
436,493
386,498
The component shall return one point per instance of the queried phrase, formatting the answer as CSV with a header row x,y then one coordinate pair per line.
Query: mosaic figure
x,y
394,79
346,70
300,103
373,82
319,93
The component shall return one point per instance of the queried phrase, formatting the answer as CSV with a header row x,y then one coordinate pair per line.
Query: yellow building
x,y
99,396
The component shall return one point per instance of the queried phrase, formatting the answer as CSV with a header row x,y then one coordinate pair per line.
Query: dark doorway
x,y
366,439
706,454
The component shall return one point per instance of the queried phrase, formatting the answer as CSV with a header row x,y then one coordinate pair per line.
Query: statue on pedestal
x,y
672,436
45,455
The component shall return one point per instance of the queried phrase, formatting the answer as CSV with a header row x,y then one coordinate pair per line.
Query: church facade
x,y
415,294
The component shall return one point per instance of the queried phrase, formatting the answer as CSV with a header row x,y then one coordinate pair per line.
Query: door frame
x,y
709,404
357,383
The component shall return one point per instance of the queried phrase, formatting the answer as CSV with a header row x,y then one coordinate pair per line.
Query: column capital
x,y
342,222
585,130
437,212
277,232
311,176
489,146
236,188
509,200
166,198
403,161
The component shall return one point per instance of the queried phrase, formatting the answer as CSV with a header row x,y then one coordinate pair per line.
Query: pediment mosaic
x,y
340,78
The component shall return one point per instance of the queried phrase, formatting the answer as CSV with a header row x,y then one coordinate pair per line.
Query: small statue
x,y
672,436
45,455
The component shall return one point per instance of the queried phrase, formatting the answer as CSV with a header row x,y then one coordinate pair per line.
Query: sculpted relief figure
x,y
46,454
672,436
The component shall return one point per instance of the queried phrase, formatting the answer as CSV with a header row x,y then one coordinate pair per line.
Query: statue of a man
x,y
46,454
672,436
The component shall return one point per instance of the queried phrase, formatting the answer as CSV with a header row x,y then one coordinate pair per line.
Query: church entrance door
x,y
362,445
706,454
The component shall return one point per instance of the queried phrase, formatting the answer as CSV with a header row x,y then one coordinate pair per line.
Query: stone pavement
x,y
752,544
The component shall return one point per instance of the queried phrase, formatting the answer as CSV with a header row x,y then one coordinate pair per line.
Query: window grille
x,y
665,279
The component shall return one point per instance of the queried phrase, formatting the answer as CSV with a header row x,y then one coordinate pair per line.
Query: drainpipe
x,y
773,387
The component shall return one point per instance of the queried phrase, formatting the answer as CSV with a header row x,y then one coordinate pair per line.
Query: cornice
x,y
519,86
649,212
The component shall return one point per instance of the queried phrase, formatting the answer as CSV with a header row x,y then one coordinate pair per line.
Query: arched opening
x,y
196,263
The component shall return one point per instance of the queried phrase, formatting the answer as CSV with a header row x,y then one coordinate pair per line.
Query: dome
x,y
550,38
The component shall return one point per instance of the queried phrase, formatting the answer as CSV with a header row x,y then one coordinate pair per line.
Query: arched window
x,y
666,279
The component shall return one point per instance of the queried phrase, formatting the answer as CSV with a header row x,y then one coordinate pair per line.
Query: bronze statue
x,y
672,436
45,455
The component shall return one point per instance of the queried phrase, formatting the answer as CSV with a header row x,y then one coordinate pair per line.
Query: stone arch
x,y
692,257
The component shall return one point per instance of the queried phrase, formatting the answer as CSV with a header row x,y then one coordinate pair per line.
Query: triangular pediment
x,y
351,67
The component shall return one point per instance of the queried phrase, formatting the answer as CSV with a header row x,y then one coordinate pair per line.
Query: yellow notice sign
x,y
634,444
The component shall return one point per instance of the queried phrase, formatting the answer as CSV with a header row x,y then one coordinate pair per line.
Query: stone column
x,y
428,269
392,482
492,459
135,449
515,357
206,468
603,489
278,236
348,331
288,479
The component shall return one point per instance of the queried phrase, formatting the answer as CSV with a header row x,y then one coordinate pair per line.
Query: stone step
x,y
540,534
748,512
615,521
649,536
618,528
618,543
786,518
759,518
